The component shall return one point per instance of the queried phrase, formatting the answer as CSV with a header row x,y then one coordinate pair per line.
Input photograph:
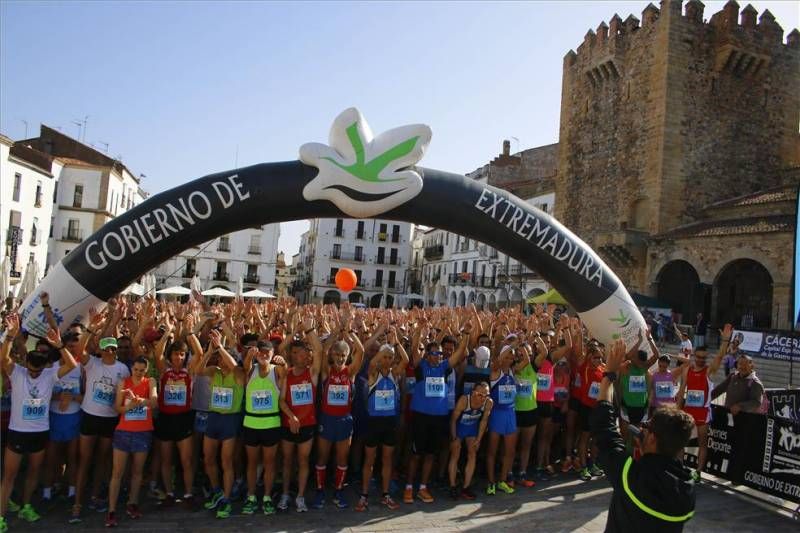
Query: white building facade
x,y
27,183
377,250
248,254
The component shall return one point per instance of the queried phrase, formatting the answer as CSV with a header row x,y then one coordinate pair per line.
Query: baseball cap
x,y
265,345
107,342
482,356
510,336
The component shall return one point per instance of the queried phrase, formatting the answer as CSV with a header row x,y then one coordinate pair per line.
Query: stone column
x,y
781,302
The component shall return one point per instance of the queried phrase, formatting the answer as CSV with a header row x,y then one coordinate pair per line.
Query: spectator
x,y
700,329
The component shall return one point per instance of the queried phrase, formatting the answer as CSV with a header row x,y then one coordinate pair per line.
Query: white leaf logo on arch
x,y
365,176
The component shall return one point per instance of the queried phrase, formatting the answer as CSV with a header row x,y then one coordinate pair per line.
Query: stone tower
x,y
664,117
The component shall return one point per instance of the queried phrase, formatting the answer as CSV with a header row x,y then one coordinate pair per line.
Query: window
x,y
77,198
360,230
474,267
358,277
463,266
395,233
337,251
17,186
381,255
55,192
224,244
255,245
31,257
38,200
52,223
359,253
222,271
332,278
382,232
392,275
393,256
191,268
35,232
378,279
73,232
339,228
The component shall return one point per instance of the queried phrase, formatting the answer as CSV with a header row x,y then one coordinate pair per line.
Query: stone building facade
x,y
678,141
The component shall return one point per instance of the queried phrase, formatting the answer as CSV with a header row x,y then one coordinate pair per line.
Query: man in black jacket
x,y
655,493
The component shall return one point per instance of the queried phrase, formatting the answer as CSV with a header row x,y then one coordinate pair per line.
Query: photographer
x,y
655,493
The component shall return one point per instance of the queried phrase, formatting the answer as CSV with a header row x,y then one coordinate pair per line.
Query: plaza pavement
x,y
564,504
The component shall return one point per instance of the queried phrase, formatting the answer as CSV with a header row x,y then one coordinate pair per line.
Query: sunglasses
x,y
435,353
111,349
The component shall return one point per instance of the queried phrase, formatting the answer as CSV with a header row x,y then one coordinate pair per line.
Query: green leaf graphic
x,y
371,170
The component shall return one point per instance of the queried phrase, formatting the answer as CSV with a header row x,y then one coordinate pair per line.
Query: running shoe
x,y
362,504
111,519
388,502
3,525
491,490
584,474
454,492
339,499
28,513
250,505
505,487
300,503
132,510
156,493
267,506
319,500
696,477
283,504
408,495
566,465
212,504
467,494
525,482
12,506
225,509
596,471
425,495
75,515
98,504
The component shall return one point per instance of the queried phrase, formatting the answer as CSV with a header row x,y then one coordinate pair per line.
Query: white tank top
x,y
30,399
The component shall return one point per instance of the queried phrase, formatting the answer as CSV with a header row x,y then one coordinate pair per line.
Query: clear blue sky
x,y
177,88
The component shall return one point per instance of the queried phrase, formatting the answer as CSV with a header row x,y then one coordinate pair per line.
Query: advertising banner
x,y
774,344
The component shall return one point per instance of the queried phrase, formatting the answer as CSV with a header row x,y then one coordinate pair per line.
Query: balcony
x,y
360,235
488,282
382,237
72,235
38,201
380,260
394,261
461,278
346,256
224,246
434,252
521,270
221,276
254,250
14,235
379,284
252,278
338,232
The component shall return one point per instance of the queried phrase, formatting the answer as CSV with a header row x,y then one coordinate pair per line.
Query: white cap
x,y
482,356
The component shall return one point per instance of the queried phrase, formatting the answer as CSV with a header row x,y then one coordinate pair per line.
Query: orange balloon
x,y
346,279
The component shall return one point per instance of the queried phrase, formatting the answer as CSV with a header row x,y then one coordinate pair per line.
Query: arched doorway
x,y
502,298
441,296
461,299
471,297
492,302
355,298
743,295
516,297
375,300
453,299
679,286
481,301
331,297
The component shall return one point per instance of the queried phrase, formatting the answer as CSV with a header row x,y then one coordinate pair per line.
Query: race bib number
x,y
338,394
384,400
261,400
525,388
301,394
543,381
594,390
695,398
72,386
137,413
434,387
103,394
561,394
506,393
221,397
411,382
637,384
664,390
33,409
175,394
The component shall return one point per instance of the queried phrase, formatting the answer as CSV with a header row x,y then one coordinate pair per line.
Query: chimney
x,y
649,15
506,147
694,10
748,19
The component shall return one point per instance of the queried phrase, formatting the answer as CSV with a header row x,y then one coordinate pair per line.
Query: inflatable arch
x,y
355,176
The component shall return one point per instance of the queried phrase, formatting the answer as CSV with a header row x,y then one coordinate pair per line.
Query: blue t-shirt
x,y
431,388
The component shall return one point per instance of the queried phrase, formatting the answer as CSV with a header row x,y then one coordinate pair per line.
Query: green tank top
x,y
226,394
261,401
526,389
634,387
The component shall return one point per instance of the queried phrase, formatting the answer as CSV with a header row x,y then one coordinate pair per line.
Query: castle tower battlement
x,y
668,113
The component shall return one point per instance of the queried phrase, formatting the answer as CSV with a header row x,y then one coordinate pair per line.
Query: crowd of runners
x,y
230,407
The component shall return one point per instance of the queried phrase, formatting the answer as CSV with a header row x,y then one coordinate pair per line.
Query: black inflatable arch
x,y
174,220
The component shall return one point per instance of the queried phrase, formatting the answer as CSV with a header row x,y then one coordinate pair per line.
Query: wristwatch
x,y
611,376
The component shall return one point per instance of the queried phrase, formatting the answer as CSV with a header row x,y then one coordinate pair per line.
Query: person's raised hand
x,y
215,337
726,332
12,325
616,356
54,338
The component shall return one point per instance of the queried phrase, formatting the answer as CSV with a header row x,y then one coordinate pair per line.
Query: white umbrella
x,y
414,296
134,288
5,279
177,290
255,293
219,292
30,280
